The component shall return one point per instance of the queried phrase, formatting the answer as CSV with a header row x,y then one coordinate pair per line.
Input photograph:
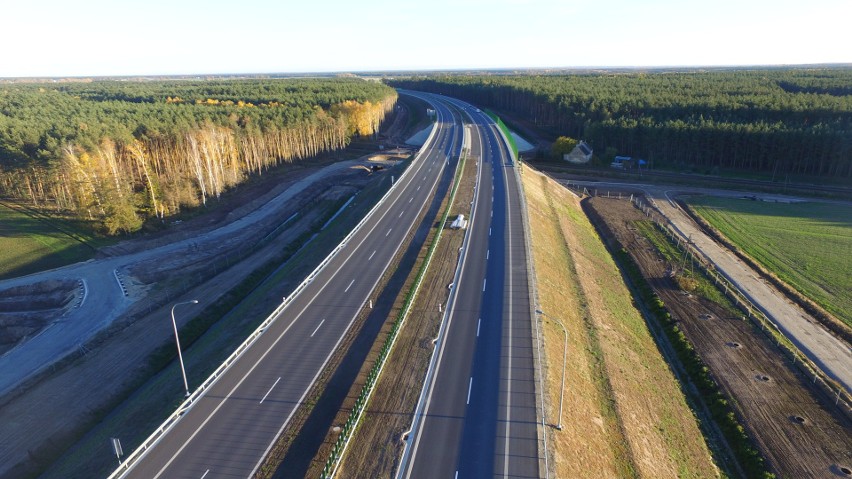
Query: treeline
x,y
776,120
118,153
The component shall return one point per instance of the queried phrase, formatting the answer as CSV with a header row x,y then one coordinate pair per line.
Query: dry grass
x,y
625,415
377,447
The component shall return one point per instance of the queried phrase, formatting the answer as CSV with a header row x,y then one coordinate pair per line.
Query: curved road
x,y
478,415
104,300
228,431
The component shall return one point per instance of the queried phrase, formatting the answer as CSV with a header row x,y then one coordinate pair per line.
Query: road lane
x,y
480,418
227,432
435,445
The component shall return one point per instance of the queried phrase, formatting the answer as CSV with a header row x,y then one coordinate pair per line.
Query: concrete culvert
x,y
798,419
845,470
762,377
735,345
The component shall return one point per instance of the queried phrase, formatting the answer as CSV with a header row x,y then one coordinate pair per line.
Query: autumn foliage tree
x,y
562,146
118,154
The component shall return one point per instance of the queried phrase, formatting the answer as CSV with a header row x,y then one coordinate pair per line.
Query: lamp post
x,y
564,357
177,341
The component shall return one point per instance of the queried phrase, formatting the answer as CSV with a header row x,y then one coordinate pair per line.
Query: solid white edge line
x,y
261,402
287,420
511,330
345,445
319,325
412,447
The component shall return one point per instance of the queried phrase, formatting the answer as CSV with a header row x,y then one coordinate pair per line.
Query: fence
x,y
832,390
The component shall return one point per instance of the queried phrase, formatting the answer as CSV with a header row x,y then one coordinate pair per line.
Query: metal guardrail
x,y
190,401
354,419
533,292
754,313
430,371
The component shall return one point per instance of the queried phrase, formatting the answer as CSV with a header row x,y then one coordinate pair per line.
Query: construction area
x,y
798,428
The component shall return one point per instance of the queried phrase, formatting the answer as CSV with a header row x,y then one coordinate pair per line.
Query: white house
x,y
582,153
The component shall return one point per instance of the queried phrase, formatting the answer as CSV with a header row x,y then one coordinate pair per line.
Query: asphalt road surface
x,y
479,413
102,298
228,431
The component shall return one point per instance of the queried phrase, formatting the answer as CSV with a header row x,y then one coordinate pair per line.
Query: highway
x,y
228,431
479,407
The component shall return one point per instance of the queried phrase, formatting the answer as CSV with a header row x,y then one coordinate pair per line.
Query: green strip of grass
x,y
808,245
207,340
703,286
741,443
31,242
505,131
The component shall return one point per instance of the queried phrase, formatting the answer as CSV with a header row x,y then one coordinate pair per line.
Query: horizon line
x,y
375,72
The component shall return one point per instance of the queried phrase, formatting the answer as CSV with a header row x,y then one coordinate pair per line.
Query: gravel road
x,y
831,354
104,296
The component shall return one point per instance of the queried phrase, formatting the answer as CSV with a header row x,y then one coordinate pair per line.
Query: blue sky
x,y
132,37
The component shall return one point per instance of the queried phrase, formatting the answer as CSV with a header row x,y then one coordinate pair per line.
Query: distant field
x,y
808,245
29,244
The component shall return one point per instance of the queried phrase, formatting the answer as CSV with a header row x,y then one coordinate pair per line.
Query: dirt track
x,y
36,424
827,351
767,391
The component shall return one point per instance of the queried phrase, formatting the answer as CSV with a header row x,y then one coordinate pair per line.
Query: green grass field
x,y
808,245
29,244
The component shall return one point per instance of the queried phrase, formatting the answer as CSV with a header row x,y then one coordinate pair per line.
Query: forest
x,y
779,121
118,153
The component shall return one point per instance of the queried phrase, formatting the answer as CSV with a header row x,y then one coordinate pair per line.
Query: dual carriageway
x,y
477,416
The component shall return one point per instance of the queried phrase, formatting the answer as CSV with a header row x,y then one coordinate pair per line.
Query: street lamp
x,y
177,341
564,357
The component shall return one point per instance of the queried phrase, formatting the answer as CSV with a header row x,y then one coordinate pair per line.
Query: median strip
x,y
359,408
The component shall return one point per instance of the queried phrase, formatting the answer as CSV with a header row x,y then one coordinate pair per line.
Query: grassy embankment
x,y
627,416
807,245
30,242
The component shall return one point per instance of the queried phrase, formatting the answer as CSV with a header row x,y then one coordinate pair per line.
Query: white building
x,y
582,153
